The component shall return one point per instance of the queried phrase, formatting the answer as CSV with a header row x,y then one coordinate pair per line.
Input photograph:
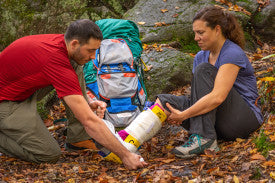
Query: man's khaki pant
x,y
23,133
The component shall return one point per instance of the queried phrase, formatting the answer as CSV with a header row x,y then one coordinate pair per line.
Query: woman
x,y
223,91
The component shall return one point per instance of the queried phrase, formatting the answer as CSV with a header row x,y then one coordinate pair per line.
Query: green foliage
x,y
256,174
263,143
249,45
192,47
20,18
42,111
266,92
46,103
189,46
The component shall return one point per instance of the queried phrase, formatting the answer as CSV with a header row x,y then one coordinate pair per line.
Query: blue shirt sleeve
x,y
233,54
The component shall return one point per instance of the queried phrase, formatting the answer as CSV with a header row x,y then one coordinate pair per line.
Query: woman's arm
x,y
224,81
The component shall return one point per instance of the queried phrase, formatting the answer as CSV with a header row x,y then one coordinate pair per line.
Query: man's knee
x,y
52,155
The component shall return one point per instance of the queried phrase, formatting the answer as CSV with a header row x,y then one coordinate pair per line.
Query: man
x,y
29,69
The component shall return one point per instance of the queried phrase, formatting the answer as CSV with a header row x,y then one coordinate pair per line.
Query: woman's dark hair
x,y
83,30
231,28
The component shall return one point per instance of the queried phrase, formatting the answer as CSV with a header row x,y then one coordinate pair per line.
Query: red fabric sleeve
x,y
62,76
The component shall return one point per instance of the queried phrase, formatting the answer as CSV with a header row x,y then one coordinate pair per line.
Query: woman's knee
x,y
205,69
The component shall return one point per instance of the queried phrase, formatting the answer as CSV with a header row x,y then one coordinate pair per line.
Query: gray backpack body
x,y
117,82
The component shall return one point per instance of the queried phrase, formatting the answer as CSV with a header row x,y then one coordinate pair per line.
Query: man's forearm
x,y
94,126
101,133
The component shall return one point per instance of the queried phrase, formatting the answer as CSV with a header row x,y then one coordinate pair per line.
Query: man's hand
x,y
133,161
99,107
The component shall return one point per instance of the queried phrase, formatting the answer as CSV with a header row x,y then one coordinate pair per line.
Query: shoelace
x,y
191,140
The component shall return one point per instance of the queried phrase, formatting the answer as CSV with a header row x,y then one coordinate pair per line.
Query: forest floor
x,y
242,160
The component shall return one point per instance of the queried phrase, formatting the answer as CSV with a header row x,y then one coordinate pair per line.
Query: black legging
x,y
230,120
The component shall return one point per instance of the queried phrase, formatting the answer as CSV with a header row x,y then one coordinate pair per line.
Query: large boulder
x,y
170,70
263,23
172,20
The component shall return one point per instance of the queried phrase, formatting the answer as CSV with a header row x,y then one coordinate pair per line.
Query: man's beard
x,y
77,57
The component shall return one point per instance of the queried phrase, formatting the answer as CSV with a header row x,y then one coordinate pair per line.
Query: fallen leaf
x,y
269,163
229,168
163,10
71,181
272,138
18,175
169,147
202,166
155,45
258,157
253,151
145,170
245,166
236,179
177,167
141,23
270,69
234,159
246,12
195,174
145,46
168,160
267,79
80,170
159,49
175,15
257,56
212,170
158,24
6,179
48,122
272,175
239,140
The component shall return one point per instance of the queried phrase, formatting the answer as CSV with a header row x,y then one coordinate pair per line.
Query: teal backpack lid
x,y
89,72
123,29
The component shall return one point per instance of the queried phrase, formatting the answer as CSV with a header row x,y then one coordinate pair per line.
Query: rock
x,y
174,19
263,23
170,70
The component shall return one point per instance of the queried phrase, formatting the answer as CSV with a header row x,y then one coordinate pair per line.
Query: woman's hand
x,y
176,117
99,107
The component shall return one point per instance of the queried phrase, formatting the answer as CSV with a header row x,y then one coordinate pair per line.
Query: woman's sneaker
x,y
195,146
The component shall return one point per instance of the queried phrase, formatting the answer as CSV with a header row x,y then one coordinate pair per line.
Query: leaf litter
x,y
237,161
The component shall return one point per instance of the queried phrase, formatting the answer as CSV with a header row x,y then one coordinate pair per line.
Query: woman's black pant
x,y
230,120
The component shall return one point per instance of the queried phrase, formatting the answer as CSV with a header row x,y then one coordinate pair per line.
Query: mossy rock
x,y
171,69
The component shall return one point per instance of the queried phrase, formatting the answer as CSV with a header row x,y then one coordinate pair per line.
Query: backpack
x,y
120,29
116,75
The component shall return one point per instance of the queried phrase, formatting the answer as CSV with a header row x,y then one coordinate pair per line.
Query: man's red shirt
x,y
34,62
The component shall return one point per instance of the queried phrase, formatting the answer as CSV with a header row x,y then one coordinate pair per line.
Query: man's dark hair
x,y
83,30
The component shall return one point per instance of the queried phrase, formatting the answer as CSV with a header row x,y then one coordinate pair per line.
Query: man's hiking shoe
x,y
86,144
195,146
